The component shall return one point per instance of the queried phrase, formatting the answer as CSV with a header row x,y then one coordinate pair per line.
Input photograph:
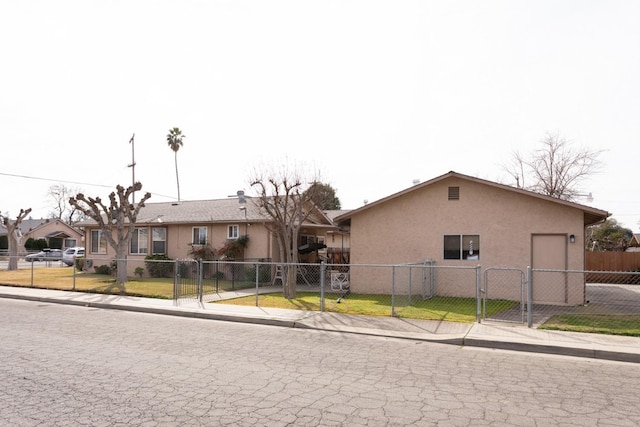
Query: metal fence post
x,y
200,279
257,280
529,296
478,293
410,280
393,291
176,280
322,266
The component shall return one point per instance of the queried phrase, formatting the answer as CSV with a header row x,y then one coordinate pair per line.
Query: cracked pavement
x,y
78,366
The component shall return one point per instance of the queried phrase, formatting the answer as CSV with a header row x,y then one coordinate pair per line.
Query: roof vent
x,y
454,193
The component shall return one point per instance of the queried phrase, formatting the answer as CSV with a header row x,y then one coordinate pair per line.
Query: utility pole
x,y
133,168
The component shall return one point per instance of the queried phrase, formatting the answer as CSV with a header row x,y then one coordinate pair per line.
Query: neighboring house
x,y
634,244
459,220
57,233
337,241
173,229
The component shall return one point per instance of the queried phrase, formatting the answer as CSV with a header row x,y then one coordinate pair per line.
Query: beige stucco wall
x,y
411,227
179,238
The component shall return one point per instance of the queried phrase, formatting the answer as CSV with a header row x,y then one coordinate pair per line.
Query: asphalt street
x,y
69,365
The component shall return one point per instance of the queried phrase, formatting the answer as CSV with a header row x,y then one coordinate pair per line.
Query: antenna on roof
x,y
240,195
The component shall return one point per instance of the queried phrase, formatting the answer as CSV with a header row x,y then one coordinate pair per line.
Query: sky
x,y
368,94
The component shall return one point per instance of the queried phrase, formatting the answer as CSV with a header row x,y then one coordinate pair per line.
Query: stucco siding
x,y
412,226
179,243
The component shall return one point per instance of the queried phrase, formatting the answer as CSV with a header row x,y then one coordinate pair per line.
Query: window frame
x,y
200,240
454,247
141,242
233,232
154,241
101,243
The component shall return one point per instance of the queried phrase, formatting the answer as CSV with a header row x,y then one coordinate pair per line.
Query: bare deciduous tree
x,y
13,236
119,216
281,197
556,169
62,210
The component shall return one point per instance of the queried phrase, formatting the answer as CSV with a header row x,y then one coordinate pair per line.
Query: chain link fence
x,y
584,296
421,290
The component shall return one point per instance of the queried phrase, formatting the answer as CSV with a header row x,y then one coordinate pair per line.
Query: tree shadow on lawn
x,y
437,308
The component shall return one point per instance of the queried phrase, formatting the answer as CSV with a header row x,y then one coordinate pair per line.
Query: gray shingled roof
x,y
26,224
196,212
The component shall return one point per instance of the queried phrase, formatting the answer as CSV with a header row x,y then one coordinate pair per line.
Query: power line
x,y
71,182
54,180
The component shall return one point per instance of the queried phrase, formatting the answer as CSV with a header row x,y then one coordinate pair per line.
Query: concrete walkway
x,y
487,334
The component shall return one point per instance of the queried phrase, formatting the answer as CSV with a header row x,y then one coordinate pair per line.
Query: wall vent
x,y
454,193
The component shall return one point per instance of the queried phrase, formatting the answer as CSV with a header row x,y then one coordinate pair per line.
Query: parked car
x,y
69,256
46,255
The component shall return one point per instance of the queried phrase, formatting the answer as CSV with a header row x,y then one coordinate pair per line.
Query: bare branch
x,y
556,169
117,220
282,199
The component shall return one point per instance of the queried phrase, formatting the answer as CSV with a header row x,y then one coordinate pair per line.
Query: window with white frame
x,y
233,232
98,242
462,246
159,240
307,239
199,236
70,243
140,241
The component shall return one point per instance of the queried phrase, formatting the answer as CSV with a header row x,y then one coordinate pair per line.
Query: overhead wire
x,y
73,182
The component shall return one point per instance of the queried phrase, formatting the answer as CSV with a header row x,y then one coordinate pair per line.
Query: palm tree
x,y
174,139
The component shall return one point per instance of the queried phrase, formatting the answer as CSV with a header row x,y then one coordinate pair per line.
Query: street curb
x,y
159,310
382,333
462,341
553,349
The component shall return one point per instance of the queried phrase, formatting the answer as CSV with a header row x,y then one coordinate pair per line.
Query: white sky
x,y
374,94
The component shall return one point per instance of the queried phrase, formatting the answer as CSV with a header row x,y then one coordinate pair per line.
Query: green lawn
x,y
62,278
437,308
610,324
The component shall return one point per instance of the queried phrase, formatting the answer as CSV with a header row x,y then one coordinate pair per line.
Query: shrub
x,y
233,248
157,265
202,252
103,269
139,271
264,275
35,244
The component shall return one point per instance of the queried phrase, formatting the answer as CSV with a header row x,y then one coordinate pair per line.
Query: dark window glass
x,y
452,247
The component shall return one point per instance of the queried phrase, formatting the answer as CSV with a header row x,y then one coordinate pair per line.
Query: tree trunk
x,y
177,180
290,281
13,252
121,265
121,278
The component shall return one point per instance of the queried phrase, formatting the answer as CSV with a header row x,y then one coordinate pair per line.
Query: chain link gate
x,y
187,279
504,296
